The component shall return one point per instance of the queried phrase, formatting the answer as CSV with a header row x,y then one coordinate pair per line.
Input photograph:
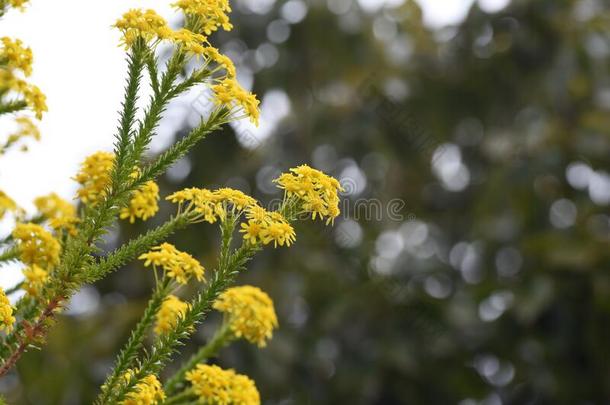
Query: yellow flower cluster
x,y
60,213
266,227
148,391
35,278
210,14
143,203
316,191
37,246
6,313
176,264
250,313
231,94
94,177
261,226
216,386
147,25
171,310
16,56
6,204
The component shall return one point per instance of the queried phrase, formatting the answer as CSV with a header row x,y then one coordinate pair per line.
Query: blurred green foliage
x,y
482,279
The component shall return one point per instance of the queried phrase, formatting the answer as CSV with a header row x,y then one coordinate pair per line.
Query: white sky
x,y
80,68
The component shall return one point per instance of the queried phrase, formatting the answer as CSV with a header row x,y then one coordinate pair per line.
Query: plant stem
x,y
128,355
221,338
178,398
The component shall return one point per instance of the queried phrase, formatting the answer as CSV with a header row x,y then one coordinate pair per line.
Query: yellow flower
x,y
210,14
212,205
7,320
216,386
60,213
16,56
94,177
316,191
233,96
189,42
6,204
147,25
267,227
33,96
147,391
250,313
143,203
37,246
176,264
35,279
171,310
222,60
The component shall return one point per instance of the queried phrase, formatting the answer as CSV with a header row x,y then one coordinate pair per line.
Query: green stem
x,y
221,338
9,254
128,355
186,395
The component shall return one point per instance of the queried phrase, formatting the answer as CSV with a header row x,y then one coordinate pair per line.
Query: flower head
x,y
35,279
147,391
94,177
60,213
143,203
189,42
316,191
146,25
216,386
178,265
37,246
16,56
231,94
34,98
266,227
209,14
171,310
250,313
7,320
211,205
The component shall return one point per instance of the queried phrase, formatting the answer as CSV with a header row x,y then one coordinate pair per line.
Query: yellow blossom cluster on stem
x,y
146,25
214,385
16,62
249,313
208,14
7,320
35,279
16,56
172,309
37,246
60,213
176,264
147,391
143,203
230,93
94,177
317,192
213,205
